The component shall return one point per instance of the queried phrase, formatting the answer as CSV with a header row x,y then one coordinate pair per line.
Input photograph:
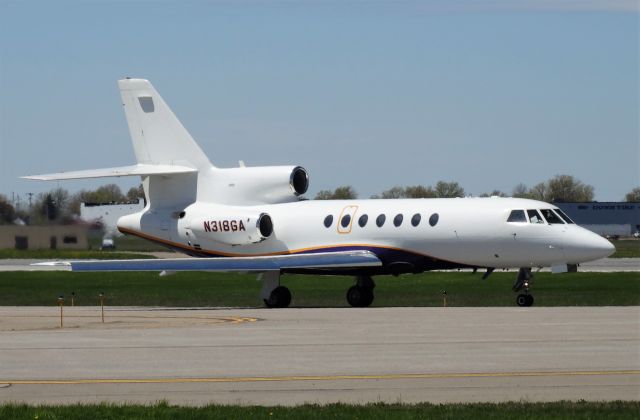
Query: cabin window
x,y
415,220
517,216
534,216
551,217
564,216
380,220
346,219
433,220
397,221
362,221
328,221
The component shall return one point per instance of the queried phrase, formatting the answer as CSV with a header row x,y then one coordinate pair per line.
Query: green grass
x,y
68,254
516,410
629,248
236,290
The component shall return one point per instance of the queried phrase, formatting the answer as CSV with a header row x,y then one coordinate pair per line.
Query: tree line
x,y
60,206
560,188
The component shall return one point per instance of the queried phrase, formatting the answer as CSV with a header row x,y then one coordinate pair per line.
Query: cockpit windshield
x,y
552,217
534,216
517,216
564,216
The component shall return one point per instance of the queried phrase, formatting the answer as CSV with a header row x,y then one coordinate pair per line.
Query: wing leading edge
x,y
325,260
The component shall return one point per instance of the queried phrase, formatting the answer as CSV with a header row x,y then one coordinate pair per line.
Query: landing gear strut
x,y
522,283
273,295
361,295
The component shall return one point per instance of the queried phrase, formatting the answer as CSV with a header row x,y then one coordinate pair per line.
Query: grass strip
x,y
629,248
236,290
511,410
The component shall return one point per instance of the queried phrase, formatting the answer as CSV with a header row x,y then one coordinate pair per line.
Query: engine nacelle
x,y
234,229
258,185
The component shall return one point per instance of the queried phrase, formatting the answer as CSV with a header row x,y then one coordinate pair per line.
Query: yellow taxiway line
x,y
318,377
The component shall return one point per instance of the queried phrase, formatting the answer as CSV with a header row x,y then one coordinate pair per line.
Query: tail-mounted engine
x,y
258,185
234,229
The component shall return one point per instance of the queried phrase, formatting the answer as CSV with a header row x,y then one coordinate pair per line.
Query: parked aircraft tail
x,y
158,136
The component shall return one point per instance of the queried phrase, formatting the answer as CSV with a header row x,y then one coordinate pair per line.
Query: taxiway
x,y
292,356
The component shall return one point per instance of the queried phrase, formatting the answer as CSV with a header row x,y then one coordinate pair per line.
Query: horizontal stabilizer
x,y
133,170
326,260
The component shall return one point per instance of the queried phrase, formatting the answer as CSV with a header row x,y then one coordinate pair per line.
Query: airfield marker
x,y
61,304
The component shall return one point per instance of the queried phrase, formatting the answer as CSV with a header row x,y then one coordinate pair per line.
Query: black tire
x,y
529,300
359,297
522,300
280,297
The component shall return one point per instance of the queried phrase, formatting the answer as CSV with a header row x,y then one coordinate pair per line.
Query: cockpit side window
x,y
534,216
564,216
551,217
517,216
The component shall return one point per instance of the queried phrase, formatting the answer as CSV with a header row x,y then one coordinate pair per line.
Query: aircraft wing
x,y
140,169
324,260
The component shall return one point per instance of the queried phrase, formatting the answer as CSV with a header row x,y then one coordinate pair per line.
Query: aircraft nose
x,y
585,245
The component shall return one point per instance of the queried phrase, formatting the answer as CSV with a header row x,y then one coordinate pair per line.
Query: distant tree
x,y
538,192
395,192
520,191
560,188
494,193
345,192
7,212
109,193
448,190
135,193
565,188
633,196
49,208
419,191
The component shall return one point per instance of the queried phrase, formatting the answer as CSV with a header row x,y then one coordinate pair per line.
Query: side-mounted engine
x,y
234,228
257,185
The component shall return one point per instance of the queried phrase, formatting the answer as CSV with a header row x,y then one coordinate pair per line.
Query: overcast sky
x,y
370,94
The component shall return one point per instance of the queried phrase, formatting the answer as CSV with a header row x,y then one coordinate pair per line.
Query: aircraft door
x,y
345,221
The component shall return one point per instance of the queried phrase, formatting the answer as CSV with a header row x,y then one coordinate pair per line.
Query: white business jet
x,y
252,219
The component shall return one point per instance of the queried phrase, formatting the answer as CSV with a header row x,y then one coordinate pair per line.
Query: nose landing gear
x,y
522,283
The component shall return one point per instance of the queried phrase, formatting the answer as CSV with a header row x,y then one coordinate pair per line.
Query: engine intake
x,y
257,185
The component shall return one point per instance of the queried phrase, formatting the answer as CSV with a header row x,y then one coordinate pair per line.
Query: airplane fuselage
x,y
410,235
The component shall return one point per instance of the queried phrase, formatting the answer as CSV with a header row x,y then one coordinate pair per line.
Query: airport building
x,y
605,218
44,237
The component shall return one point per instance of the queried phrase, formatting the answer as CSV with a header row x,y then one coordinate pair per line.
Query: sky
x,y
371,94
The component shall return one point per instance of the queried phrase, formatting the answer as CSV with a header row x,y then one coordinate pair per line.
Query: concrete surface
x,y
292,356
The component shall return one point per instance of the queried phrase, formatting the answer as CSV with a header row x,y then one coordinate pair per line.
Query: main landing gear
x,y
522,283
273,295
361,295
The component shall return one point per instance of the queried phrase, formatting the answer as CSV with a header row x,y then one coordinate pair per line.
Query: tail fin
x,y
158,136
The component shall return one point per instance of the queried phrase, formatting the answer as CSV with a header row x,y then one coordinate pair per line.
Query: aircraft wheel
x,y
522,300
529,300
280,297
359,297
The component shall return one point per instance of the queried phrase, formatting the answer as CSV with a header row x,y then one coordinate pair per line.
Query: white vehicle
x,y
250,219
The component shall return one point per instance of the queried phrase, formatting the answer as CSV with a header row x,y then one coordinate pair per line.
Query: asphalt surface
x,y
292,356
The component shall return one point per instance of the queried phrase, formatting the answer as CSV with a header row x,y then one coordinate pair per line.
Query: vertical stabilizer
x,y
158,136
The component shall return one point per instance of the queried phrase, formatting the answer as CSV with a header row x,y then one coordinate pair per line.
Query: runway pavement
x,y
292,356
